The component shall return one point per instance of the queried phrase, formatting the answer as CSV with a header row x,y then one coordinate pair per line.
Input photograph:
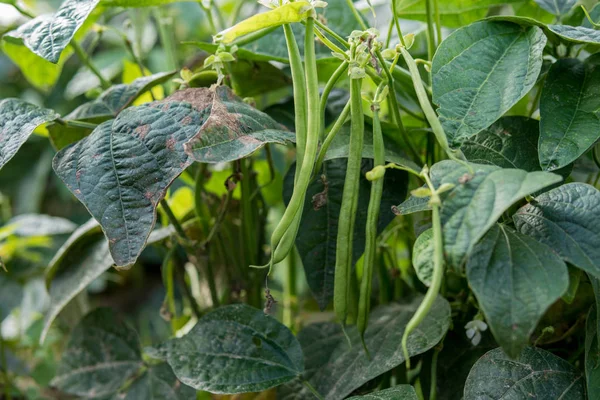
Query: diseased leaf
x,y
557,7
18,120
474,205
453,13
102,353
569,111
567,219
157,383
236,349
317,235
422,257
536,373
592,354
335,369
284,14
515,280
82,258
123,169
233,130
404,392
108,105
48,35
510,142
480,71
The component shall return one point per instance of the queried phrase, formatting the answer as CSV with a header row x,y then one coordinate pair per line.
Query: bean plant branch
x,y
85,59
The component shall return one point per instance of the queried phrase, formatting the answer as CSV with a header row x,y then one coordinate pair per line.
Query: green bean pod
x,y
364,303
343,261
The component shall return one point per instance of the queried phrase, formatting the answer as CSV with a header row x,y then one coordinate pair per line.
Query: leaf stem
x,y
173,220
429,7
80,124
397,23
325,95
165,32
312,389
83,56
357,15
337,126
7,383
331,32
22,10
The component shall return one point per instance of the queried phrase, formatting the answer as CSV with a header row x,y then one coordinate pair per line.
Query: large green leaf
x,y
82,258
536,374
108,105
592,354
481,71
137,3
557,7
48,35
123,169
157,383
233,130
453,13
400,392
511,142
317,235
515,280
474,205
102,353
569,111
18,119
567,219
236,349
335,369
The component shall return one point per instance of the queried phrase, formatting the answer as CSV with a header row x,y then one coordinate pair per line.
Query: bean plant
x,y
300,199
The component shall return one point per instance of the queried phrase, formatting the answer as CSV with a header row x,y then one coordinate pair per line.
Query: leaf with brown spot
x,y
122,170
233,130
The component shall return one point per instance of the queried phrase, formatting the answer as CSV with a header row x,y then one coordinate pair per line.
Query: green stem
x,y
88,63
428,110
429,7
332,33
22,10
79,124
209,16
173,220
326,91
397,23
438,22
437,275
7,383
337,126
236,12
312,389
248,223
357,15
289,309
165,32
433,384
253,36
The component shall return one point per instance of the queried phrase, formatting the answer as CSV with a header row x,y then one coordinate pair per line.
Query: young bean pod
x,y
364,303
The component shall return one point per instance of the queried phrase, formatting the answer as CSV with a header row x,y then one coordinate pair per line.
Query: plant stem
x,y
22,10
76,123
236,12
397,23
438,22
173,220
433,384
209,16
337,126
7,383
88,63
332,33
429,7
357,15
289,301
165,32
312,389
248,222
438,271
326,91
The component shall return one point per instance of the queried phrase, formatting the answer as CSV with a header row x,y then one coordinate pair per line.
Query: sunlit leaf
x,y
557,7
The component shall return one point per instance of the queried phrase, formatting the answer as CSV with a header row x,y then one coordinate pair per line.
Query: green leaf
x,y
576,34
404,392
557,7
574,280
48,35
137,3
567,219
515,279
40,225
474,205
284,14
233,130
108,105
422,257
102,353
335,369
481,71
453,13
18,120
236,349
569,111
536,373
511,142
592,354
81,259
317,235
159,383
